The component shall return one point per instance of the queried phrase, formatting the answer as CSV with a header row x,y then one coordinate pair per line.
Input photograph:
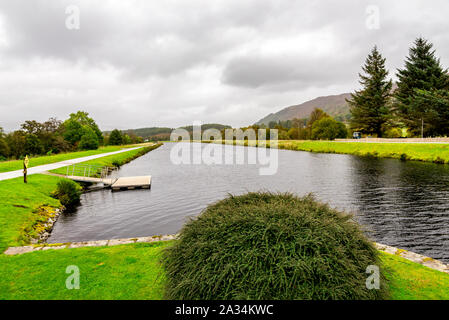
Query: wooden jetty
x,y
105,181
131,183
104,176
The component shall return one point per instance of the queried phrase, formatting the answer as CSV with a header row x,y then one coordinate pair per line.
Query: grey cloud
x,y
273,71
144,63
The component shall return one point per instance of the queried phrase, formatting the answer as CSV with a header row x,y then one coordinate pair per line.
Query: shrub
x,y
328,129
270,246
68,192
393,133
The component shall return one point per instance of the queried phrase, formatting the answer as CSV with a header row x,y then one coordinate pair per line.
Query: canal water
x,y
402,204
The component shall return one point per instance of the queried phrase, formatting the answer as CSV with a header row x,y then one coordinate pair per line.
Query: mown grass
x,y
12,165
411,281
19,207
115,159
119,272
427,152
135,271
19,211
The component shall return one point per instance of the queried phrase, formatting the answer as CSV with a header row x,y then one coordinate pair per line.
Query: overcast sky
x,y
147,63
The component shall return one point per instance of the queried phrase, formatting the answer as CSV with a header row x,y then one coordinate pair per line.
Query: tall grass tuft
x,y
68,192
270,246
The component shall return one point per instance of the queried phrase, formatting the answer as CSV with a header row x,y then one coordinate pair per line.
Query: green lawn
x,y
127,271
134,272
6,166
115,159
19,214
120,272
429,152
412,281
19,204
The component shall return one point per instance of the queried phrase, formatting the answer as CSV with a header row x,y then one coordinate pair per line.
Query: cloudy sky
x,y
168,63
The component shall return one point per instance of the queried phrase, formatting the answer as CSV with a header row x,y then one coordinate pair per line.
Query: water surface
x,y
403,204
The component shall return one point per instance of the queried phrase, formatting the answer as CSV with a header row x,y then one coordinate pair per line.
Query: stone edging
x,y
98,243
414,257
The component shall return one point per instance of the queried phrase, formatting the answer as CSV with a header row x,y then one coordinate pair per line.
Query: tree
x,y
74,125
293,133
328,129
422,72
126,139
272,124
115,138
16,143
4,149
33,145
48,133
436,115
72,131
32,127
89,139
315,115
369,106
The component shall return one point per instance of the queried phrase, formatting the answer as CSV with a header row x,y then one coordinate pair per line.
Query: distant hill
x,y
209,126
335,105
149,132
163,133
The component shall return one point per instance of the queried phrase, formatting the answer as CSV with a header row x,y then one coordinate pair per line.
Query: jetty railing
x,y
91,171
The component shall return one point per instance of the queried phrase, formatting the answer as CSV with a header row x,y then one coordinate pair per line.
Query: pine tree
x,y
370,106
421,77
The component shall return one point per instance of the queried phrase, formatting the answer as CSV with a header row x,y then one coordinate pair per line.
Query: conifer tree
x,y
370,106
419,86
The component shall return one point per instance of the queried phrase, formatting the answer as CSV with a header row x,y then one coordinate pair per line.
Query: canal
x,y
402,204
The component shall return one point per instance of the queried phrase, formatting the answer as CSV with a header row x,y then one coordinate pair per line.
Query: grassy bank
x,y
134,272
6,166
20,204
432,152
120,272
428,152
115,160
411,281
25,206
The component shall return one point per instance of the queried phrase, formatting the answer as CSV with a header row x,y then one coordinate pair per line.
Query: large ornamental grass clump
x,y
270,246
68,192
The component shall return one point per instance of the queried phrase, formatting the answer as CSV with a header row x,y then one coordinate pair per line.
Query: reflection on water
x,y
403,204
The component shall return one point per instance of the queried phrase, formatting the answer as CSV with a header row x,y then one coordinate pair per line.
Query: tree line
x,y
78,132
318,126
117,137
418,106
